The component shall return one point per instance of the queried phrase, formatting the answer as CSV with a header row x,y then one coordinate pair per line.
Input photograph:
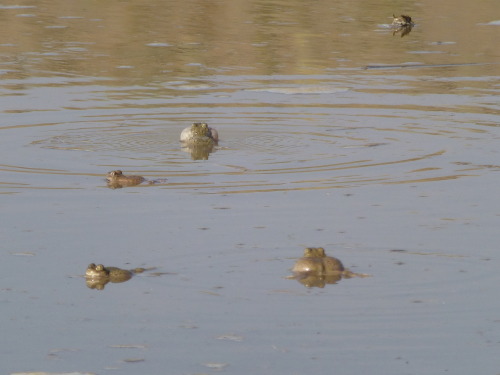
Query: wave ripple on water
x,y
272,138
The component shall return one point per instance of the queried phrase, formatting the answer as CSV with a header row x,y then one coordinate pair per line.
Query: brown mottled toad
x,y
403,24
402,21
97,276
315,268
116,179
199,133
199,140
120,180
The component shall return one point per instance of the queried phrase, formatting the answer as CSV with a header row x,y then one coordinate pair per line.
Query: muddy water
x,y
335,132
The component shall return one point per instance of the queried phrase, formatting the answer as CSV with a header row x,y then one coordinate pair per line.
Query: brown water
x,y
334,132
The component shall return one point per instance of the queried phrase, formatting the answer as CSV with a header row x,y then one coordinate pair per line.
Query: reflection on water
x,y
403,30
199,152
332,130
318,281
283,81
148,43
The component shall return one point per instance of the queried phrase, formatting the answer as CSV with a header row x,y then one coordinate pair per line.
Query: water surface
x,y
334,133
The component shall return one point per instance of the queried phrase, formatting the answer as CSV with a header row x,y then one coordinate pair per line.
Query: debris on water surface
x,y
230,337
23,254
216,366
209,292
129,346
133,360
54,353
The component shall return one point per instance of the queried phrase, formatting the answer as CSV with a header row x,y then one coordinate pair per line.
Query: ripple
x,y
117,140
273,137
303,90
17,6
262,158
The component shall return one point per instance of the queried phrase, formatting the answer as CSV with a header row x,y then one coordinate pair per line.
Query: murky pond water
x,y
335,131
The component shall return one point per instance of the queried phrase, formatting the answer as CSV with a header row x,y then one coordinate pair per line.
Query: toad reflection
x,y
316,269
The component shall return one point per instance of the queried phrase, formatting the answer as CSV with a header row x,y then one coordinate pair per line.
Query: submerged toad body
x,y
119,179
97,276
315,268
116,179
316,261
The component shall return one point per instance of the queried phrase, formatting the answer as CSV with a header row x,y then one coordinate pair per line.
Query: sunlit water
x,y
334,132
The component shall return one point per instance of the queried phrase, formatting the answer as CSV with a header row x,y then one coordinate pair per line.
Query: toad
x,y
116,179
97,276
199,133
402,21
199,140
402,24
315,268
